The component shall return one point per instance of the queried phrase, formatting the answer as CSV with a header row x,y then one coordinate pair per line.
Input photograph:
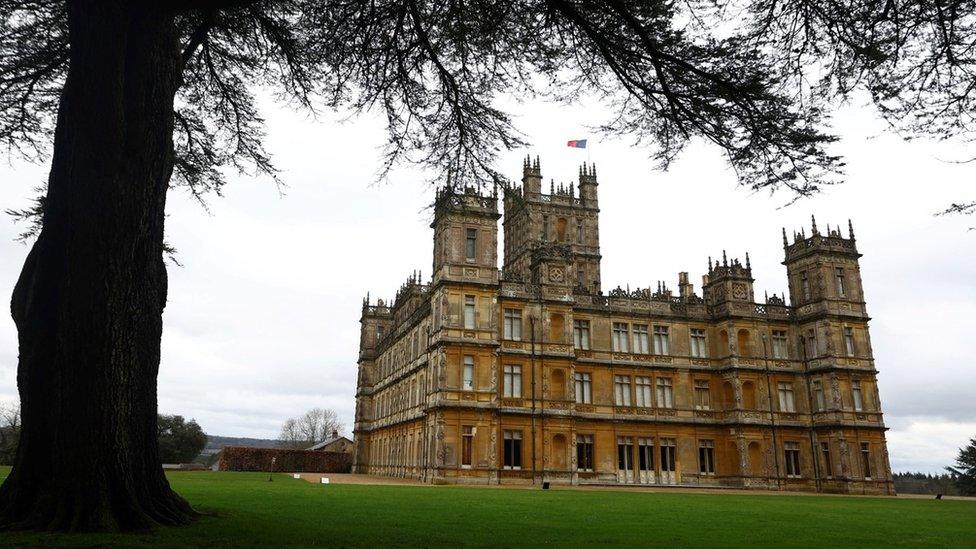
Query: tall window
x,y
584,452
667,455
621,390
379,332
786,401
579,231
827,463
866,460
779,344
469,312
645,454
819,402
706,457
513,381
703,396
811,344
698,348
661,340
856,395
665,393
581,334
512,449
805,286
513,324
584,388
619,342
545,227
467,443
640,339
792,454
470,244
643,391
849,341
467,378
625,454
841,285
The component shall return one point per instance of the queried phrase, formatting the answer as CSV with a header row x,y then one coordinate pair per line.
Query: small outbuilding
x,y
335,443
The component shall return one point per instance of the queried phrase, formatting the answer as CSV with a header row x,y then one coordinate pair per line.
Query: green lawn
x,y
246,510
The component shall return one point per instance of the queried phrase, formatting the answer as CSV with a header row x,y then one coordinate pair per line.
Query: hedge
x,y
244,458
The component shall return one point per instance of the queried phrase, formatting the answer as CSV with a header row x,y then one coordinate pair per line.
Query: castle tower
x,y
824,273
828,300
562,219
728,281
465,236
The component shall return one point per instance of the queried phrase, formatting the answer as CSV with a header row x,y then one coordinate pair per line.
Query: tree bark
x,y
88,305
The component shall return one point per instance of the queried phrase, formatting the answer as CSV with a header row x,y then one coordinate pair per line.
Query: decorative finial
x,y
537,166
748,266
767,295
850,229
552,186
593,170
814,220
725,262
785,242
709,263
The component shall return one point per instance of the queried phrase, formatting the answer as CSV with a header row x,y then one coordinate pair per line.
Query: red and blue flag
x,y
577,143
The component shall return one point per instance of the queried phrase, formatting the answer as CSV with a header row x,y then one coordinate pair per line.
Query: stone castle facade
x,y
532,373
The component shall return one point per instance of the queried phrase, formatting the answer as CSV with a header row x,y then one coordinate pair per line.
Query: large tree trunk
x,y
88,305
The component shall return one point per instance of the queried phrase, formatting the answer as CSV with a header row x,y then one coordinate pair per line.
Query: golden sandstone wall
x,y
533,374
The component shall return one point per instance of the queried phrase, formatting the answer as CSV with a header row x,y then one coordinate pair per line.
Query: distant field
x,y
246,510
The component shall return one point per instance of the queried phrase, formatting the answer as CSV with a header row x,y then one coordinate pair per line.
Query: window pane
x,y
469,312
467,379
470,244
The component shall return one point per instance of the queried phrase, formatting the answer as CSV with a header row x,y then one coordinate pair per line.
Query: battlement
x,y
832,242
726,269
469,201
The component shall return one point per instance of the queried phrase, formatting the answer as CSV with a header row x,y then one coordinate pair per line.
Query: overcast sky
x,y
262,319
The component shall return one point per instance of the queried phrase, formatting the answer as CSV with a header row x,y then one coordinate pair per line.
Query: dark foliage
x,y
179,441
964,470
241,458
924,483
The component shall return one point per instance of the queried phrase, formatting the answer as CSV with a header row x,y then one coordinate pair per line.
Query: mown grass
x,y
244,509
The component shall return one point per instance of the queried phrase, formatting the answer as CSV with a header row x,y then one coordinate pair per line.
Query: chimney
x,y
685,289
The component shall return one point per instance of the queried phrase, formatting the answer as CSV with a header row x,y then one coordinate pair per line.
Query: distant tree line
x,y
924,483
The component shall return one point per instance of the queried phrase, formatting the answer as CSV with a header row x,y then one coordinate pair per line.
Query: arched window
x,y
744,343
748,395
558,385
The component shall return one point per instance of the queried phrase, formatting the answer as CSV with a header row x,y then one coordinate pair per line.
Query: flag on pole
x,y
577,143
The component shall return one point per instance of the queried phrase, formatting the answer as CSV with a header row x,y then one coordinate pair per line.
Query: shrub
x,y
243,458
